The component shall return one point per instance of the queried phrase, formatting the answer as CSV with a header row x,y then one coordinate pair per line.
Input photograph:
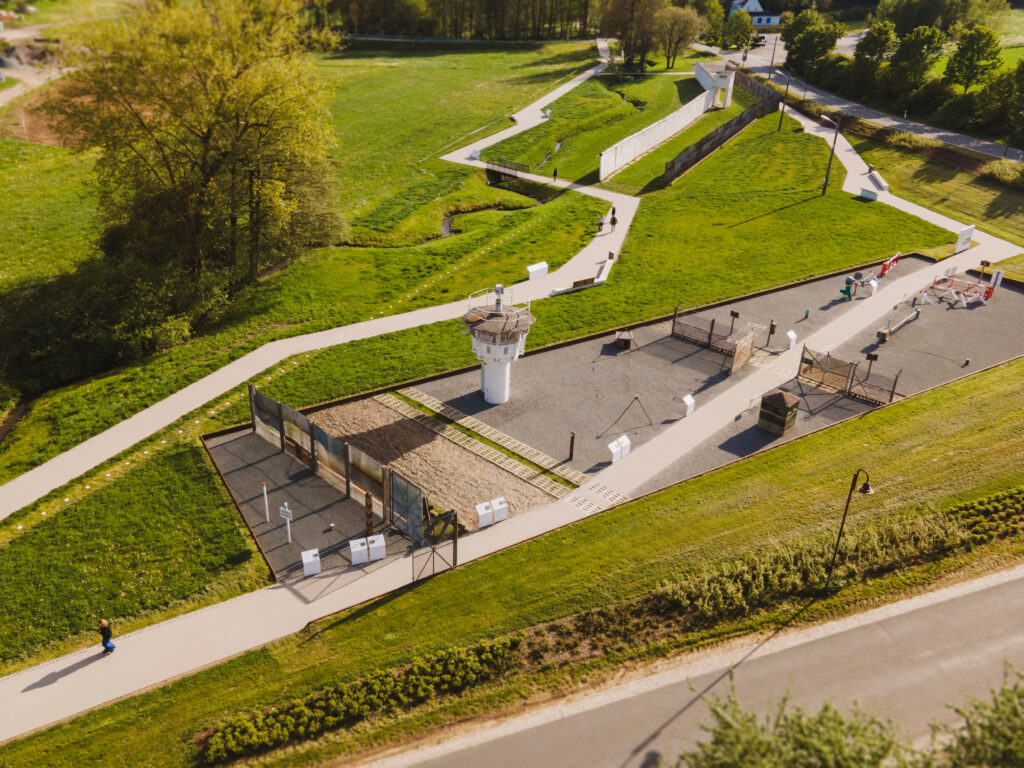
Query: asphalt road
x,y
907,667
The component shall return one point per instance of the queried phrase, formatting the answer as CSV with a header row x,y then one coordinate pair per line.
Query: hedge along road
x,y
39,481
31,698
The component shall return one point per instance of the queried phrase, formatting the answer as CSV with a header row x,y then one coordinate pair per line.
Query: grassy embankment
x,y
648,172
593,117
918,464
720,251
996,208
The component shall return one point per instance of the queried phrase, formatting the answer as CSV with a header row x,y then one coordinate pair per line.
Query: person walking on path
x,y
614,221
105,634
600,224
555,175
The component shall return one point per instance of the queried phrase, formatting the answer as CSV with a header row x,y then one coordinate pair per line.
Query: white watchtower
x,y
499,336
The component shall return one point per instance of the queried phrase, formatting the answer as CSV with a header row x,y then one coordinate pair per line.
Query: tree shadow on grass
x,y
776,210
1007,203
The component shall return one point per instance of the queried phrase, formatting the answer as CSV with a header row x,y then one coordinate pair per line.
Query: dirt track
x,y
450,476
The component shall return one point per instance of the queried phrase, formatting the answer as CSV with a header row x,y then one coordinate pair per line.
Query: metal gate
x,y
442,551
406,507
832,373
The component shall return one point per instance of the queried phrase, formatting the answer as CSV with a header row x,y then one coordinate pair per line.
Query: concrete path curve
x,y
49,692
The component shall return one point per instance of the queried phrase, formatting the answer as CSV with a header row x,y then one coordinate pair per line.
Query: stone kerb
x,y
633,146
693,154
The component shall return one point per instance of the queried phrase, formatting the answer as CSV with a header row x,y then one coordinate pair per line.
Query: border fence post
x,y
386,480
252,405
280,422
711,332
312,445
849,379
892,394
348,474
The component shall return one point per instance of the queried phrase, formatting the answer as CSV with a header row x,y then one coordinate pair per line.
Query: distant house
x,y
756,12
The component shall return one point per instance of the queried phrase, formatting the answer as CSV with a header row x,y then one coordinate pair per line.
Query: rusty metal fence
x,y
842,376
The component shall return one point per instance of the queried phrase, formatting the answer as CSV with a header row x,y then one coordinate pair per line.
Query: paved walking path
x,y
40,695
760,60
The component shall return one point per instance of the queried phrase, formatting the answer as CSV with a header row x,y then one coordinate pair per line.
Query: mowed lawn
x,y
918,464
49,209
1009,57
593,117
396,107
996,208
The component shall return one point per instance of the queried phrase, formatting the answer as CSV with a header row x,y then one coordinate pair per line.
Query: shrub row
x,y
384,691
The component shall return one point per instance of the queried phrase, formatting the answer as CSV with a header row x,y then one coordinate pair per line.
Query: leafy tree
x,y
809,39
738,29
877,44
975,58
212,133
714,16
796,739
916,54
992,735
677,29
633,20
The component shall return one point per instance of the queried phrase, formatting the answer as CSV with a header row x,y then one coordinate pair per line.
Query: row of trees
x,y
896,72
643,26
484,19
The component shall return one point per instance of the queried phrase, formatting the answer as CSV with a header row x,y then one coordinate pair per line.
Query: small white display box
x,y
500,507
484,514
311,562
359,551
690,404
620,448
376,547
537,270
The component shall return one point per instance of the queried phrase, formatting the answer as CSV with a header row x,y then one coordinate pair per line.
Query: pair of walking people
x,y
600,221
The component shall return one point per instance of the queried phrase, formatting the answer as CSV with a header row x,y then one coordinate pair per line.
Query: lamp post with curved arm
x,y
867,490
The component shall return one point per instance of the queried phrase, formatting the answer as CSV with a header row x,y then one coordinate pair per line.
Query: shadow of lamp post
x,y
865,489
835,137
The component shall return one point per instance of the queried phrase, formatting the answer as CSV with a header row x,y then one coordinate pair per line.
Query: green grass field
x,y
1010,56
647,174
1014,267
918,464
588,120
996,208
684,63
48,212
117,553
64,11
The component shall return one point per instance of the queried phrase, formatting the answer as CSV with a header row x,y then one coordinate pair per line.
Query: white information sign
x,y
963,240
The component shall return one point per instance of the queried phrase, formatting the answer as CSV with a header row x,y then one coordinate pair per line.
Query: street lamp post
x,y
835,137
782,112
867,490
771,67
